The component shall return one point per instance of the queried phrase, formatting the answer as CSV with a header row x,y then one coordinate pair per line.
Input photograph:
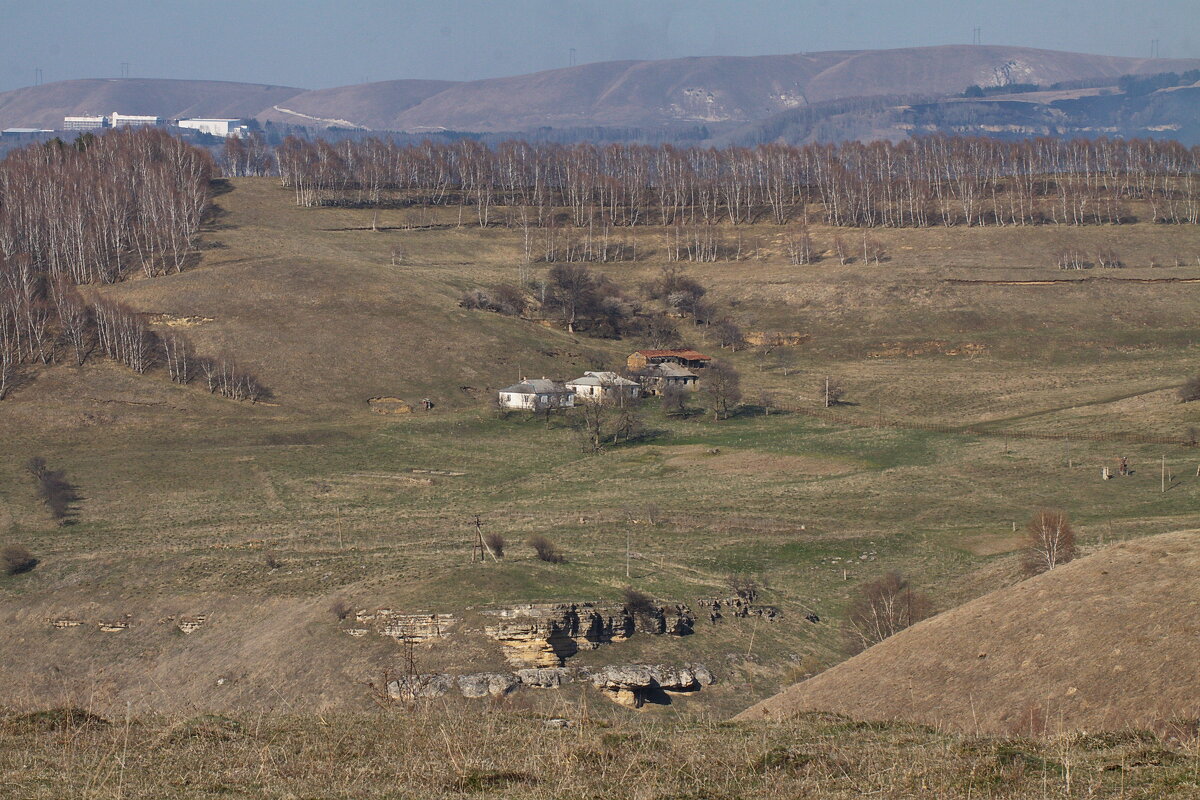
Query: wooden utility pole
x,y
827,392
480,546
1164,474
627,545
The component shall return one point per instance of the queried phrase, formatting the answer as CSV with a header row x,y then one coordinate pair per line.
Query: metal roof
x,y
690,355
536,386
601,379
669,370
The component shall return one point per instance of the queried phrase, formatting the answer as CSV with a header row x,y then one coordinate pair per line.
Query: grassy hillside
x,y
262,515
1100,642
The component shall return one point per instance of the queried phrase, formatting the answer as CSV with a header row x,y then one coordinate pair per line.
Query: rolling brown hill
x,y
46,105
707,90
727,89
367,105
1107,641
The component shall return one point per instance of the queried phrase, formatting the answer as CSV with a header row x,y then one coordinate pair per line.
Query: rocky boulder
x,y
485,684
416,687
545,677
633,685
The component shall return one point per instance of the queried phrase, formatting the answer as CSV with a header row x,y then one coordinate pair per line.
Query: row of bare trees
x,y
122,335
927,181
94,211
54,323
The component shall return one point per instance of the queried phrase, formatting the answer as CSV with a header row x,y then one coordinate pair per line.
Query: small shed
x,y
595,387
537,394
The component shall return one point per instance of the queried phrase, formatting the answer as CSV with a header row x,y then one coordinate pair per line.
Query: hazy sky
x,y
318,44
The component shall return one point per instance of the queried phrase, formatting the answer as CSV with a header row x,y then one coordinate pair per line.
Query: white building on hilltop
x,y
536,394
214,126
84,123
132,120
595,387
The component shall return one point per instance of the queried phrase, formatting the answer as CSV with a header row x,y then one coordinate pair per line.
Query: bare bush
x,y
53,488
1107,258
545,549
637,603
883,607
341,608
832,391
503,299
495,543
1190,391
743,585
17,559
1051,541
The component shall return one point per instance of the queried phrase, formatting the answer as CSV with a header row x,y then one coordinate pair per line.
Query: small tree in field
x,y
883,607
1051,541
722,386
673,399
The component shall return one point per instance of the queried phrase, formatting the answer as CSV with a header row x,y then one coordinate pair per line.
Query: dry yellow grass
x,y
1104,642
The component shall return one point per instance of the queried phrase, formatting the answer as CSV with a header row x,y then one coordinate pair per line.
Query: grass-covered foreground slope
x,y
446,752
262,516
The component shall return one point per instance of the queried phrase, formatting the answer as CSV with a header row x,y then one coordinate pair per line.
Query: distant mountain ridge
x,y
716,90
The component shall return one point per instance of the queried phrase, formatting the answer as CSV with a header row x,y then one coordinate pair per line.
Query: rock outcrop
x,y
719,608
630,685
415,687
487,684
633,685
413,627
545,677
546,635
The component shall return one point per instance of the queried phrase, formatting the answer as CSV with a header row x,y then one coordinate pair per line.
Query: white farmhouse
x,y
595,387
536,394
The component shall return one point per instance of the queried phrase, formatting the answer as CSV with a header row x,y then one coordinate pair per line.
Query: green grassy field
x,y
191,502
